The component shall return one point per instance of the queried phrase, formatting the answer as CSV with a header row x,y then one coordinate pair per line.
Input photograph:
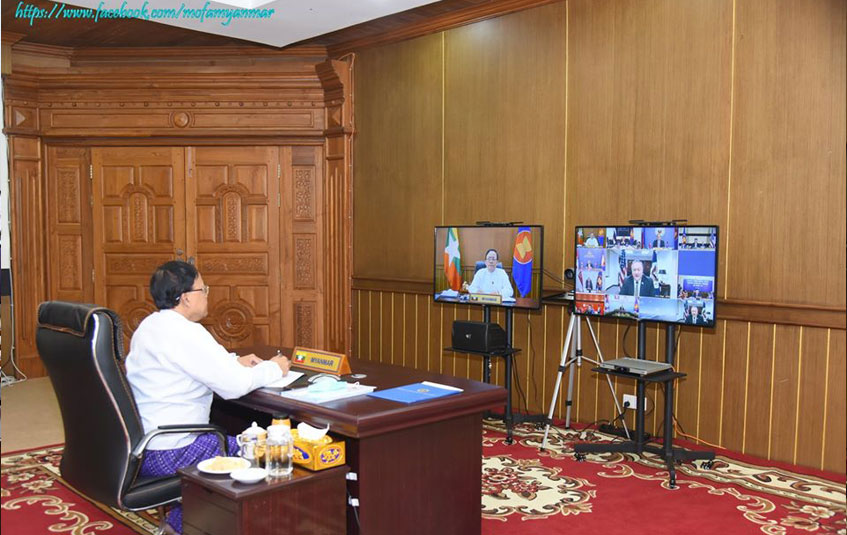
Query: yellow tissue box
x,y
325,453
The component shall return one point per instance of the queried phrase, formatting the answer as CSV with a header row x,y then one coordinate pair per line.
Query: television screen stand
x,y
638,446
509,417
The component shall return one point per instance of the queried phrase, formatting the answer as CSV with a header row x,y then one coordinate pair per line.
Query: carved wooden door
x,y
232,214
138,216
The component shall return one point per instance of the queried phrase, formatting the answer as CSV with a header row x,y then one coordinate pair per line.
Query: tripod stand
x,y
575,331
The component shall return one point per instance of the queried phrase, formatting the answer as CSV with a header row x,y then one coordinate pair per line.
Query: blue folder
x,y
414,393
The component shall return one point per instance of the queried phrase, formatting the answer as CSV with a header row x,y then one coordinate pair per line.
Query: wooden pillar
x,y
336,78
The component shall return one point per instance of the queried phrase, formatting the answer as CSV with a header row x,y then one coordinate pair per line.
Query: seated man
x,y
175,365
491,279
637,283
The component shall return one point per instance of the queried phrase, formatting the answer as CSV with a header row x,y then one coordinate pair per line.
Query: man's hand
x,y
283,363
249,360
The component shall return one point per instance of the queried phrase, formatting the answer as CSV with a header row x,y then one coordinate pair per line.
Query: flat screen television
x,y
653,273
489,260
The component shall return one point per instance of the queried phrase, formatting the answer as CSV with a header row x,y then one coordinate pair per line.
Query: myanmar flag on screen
x,y
453,259
522,261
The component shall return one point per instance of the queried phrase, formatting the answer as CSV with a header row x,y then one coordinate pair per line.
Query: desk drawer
x,y
206,512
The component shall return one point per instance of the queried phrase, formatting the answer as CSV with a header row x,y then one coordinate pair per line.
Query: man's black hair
x,y
170,281
495,252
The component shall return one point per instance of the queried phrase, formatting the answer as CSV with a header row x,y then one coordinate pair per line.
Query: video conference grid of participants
x,y
648,273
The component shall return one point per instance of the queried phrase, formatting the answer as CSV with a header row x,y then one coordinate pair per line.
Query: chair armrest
x,y
139,449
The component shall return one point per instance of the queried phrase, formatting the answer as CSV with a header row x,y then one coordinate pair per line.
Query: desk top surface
x,y
364,416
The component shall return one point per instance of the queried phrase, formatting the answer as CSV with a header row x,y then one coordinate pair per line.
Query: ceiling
x,y
319,22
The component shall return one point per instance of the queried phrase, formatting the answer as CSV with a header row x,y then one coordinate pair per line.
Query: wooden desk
x,y
419,466
306,503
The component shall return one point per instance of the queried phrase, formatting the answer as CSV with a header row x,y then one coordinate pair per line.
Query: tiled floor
x,y
30,416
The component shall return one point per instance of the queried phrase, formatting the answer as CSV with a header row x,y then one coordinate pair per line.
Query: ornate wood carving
x,y
233,321
24,117
117,264
70,262
68,184
234,264
132,313
69,237
144,208
304,193
304,324
304,262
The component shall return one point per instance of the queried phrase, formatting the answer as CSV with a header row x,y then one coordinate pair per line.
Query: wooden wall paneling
x,y
423,305
655,352
834,430
533,372
310,253
29,274
336,79
811,397
386,324
232,228
688,388
398,155
504,110
139,222
605,332
397,328
734,388
407,334
788,161
521,360
710,411
758,400
69,247
457,364
433,336
371,325
633,97
586,382
356,325
784,378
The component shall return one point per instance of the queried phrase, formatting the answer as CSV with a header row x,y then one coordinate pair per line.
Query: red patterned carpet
x,y
524,492
35,500
527,492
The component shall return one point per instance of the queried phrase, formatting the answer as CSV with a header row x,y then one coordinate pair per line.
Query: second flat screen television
x,y
502,260
662,273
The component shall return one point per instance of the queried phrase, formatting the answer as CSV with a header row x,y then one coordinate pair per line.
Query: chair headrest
x,y
68,317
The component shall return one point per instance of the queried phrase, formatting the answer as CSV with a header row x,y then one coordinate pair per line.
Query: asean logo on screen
x,y
523,247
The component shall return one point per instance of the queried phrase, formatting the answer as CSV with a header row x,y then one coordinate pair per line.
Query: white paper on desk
x,y
439,385
311,396
282,382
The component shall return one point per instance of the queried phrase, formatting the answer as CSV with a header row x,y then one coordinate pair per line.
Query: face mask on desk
x,y
327,384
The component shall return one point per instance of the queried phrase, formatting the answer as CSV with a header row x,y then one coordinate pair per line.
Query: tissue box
x,y
325,453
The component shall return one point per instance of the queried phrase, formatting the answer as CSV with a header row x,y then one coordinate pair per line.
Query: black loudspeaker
x,y
478,336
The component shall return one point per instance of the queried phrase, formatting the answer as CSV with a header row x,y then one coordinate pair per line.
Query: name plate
x,y
320,361
486,299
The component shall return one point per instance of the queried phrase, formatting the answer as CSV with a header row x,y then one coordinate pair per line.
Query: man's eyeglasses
x,y
204,289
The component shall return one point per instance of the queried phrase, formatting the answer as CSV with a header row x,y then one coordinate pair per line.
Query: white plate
x,y
249,475
236,463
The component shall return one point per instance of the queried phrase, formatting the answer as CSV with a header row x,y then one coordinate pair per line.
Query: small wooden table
x,y
308,503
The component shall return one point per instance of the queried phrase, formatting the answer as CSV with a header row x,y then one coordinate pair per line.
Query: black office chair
x,y
104,438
